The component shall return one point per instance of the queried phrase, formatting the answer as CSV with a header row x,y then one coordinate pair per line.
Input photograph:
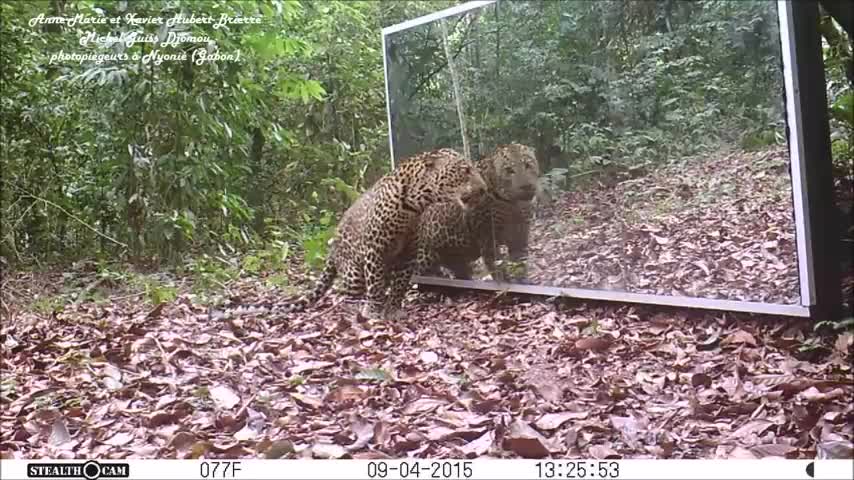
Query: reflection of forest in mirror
x,y
658,129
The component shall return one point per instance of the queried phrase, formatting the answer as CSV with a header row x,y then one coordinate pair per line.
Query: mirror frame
x,y
812,181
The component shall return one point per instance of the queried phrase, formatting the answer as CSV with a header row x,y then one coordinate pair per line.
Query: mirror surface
x,y
657,136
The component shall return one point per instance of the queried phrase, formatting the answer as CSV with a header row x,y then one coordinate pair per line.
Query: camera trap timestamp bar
x,y
480,469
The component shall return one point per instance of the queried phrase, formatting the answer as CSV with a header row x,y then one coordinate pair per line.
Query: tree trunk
x,y
458,99
842,12
256,194
838,43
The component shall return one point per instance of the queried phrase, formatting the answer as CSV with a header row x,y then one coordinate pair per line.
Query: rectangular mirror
x,y
657,134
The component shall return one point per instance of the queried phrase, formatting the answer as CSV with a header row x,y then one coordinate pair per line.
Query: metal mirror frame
x,y
808,138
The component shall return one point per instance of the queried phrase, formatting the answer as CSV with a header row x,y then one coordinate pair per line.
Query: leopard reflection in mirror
x,y
453,238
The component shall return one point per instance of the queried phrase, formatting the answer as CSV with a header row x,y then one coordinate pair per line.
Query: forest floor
x,y
95,365
465,375
717,225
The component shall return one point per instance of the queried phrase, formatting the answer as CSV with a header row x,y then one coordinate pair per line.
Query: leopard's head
x,y
512,172
443,175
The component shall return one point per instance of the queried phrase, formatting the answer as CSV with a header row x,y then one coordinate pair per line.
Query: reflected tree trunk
x,y
458,99
478,112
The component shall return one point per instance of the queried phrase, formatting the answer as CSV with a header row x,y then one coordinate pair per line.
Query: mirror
x,y
657,132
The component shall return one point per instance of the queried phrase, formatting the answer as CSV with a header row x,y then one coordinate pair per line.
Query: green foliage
x,y
160,160
8,388
842,108
156,288
210,274
555,179
279,280
839,71
47,305
840,326
48,400
826,330
596,86
158,294
314,241
202,393
841,112
463,381
375,374
813,345
510,269
591,329
272,257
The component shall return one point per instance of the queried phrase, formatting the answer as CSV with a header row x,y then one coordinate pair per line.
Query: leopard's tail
x,y
324,283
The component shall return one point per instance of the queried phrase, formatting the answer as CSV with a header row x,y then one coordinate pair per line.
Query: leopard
x,y
372,250
451,237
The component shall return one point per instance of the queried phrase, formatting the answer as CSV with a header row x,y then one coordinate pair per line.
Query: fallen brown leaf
x,y
594,344
739,337
328,450
479,446
524,441
423,405
307,400
224,397
772,450
602,452
119,439
753,427
551,421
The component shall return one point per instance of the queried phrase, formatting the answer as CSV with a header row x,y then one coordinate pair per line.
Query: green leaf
x,y
376,374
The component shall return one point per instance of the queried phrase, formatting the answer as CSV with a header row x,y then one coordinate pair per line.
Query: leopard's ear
x,y
431,162
490,172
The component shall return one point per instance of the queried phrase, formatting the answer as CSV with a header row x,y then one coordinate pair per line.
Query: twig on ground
x,y
85,293
125,297
245,405
324,312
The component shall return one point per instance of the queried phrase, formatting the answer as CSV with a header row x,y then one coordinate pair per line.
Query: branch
x,y
842,12
442,66
74,217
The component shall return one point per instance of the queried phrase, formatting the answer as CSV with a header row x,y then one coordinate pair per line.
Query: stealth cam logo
x,y
90,470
